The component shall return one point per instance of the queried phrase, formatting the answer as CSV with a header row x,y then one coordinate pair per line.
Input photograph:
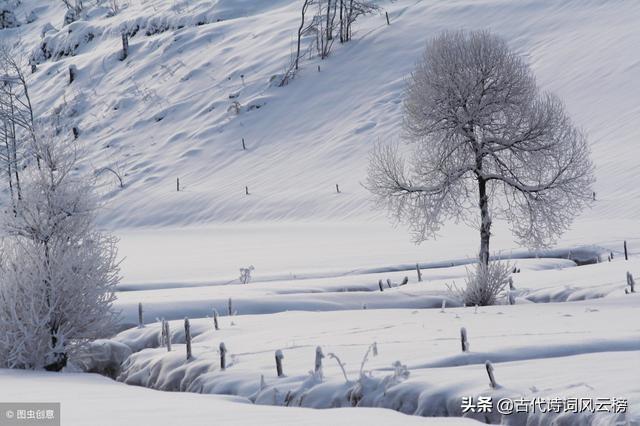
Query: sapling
x,y
279,357
223,356
187,337
492,379
463,339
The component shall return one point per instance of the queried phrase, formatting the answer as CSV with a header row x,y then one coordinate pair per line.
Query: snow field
x,y
560,353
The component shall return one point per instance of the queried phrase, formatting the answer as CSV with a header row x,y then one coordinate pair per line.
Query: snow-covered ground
x,y
90,399
539,350
164,113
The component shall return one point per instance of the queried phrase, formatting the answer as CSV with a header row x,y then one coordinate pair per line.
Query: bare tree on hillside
x,y
331,16
16,118
484,137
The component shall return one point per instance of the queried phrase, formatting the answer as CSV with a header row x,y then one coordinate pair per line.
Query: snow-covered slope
x,y
164,112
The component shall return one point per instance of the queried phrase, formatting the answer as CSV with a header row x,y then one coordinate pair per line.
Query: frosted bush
x,y
484,284
58,273
245,274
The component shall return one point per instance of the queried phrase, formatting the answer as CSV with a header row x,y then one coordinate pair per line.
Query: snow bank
x,y
92,399
565,342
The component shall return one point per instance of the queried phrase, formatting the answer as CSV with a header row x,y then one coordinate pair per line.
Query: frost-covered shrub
x,y
245,274
484,284
57,272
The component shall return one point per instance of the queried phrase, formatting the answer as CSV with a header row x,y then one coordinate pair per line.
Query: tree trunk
x,y
328,28
304,10
59,359
485,221
341,22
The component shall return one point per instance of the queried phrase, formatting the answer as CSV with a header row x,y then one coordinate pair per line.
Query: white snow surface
x,y
90,399
580,349
163,114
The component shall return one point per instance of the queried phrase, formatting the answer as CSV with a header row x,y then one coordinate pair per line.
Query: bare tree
x,y
301,29
16,117
353,9
484,136
323,24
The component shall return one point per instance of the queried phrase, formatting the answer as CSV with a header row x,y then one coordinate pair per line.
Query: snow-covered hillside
x,y
164,112
200,80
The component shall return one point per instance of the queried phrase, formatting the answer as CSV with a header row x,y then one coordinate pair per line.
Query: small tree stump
x,y
318,362
125,46
223,356
168,335
73,72
140,316
631,282
187,337
463,339
279,357
215,320
492,379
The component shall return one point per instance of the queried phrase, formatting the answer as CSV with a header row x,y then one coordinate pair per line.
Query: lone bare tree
x,y
484,136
